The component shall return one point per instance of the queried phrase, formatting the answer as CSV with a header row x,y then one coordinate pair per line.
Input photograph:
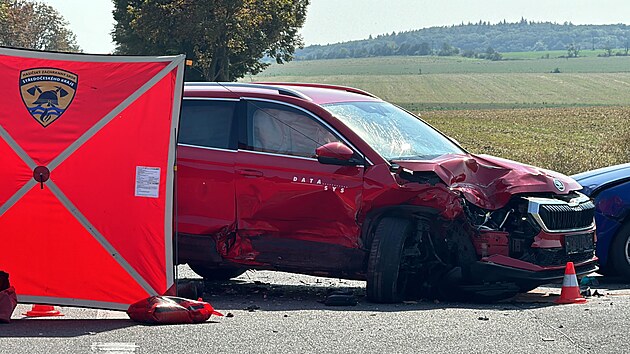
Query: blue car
x,y
610,188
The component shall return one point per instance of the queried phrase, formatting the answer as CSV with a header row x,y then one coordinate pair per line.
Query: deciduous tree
x,y
225,39
34,25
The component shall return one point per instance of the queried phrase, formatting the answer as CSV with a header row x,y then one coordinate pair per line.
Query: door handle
x,y
250,173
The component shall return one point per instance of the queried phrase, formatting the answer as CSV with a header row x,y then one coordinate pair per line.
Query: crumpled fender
x,y
489,182
438,196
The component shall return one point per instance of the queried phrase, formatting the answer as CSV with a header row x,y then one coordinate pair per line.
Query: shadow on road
x,y
36,328
250,294
613,282
263,296
254,295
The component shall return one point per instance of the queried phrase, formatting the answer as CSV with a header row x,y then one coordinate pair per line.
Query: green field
x,y
556,54
456,83
502,90
429,65
572,121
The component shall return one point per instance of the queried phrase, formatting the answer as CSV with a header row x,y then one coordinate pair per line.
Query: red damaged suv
x,y
333,181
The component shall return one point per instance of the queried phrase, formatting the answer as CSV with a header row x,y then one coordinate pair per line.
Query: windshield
x,y
392,132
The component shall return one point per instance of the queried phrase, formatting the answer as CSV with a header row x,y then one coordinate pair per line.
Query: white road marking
x,y
114,348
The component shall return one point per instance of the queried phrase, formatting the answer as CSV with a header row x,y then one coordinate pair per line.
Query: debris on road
x,y
598,294
341,298
252,308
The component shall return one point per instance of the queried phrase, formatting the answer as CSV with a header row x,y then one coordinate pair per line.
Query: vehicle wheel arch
x,y
373,218
615,252
216,273
384,240
622,222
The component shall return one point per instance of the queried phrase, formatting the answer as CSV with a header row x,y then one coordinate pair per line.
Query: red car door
x,y
205,176
292,210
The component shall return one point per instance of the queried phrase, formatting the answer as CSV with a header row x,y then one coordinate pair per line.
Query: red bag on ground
x,y
170,310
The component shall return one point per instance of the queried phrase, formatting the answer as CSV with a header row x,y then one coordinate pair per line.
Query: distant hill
x,y
481,40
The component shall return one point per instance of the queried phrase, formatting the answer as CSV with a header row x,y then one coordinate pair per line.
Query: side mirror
x,y
335,154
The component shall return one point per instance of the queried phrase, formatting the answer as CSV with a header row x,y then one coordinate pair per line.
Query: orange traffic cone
x,y
570,293
42,311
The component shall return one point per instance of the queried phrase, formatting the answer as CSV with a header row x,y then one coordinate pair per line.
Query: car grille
x,y
565,217
555,215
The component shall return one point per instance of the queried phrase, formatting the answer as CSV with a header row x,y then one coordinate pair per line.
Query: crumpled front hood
x,y
489,182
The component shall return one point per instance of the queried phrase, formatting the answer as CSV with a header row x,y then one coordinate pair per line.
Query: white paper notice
x,y
147,181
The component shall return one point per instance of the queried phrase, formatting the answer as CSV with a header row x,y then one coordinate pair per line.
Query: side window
x,y
208,123
284,130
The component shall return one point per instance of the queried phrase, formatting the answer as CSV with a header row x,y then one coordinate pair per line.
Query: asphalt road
x,y
284,313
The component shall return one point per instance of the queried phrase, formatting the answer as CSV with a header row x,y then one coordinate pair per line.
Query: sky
x,y
332,21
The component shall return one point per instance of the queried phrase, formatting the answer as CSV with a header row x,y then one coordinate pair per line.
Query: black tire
x,y
620,252
607,270
216,274
385,283
525,287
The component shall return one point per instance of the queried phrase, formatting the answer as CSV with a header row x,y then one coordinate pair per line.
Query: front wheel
x,y
620,252
386,280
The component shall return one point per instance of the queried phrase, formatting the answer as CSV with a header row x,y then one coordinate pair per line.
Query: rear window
x,y
208,123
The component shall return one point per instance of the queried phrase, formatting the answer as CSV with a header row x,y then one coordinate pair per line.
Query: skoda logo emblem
x,y
558,183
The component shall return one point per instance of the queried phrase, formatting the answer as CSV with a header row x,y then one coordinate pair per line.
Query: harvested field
x,y
414,65
487,90
567,140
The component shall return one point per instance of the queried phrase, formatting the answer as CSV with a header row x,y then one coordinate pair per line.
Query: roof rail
x,y
227,85
332,87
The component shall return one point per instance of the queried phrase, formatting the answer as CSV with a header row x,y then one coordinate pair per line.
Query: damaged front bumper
x,y
499,268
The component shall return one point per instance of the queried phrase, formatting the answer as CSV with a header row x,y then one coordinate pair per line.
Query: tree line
x,y
482,39
227,39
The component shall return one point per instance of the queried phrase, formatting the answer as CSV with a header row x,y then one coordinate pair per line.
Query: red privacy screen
x,y
87,149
